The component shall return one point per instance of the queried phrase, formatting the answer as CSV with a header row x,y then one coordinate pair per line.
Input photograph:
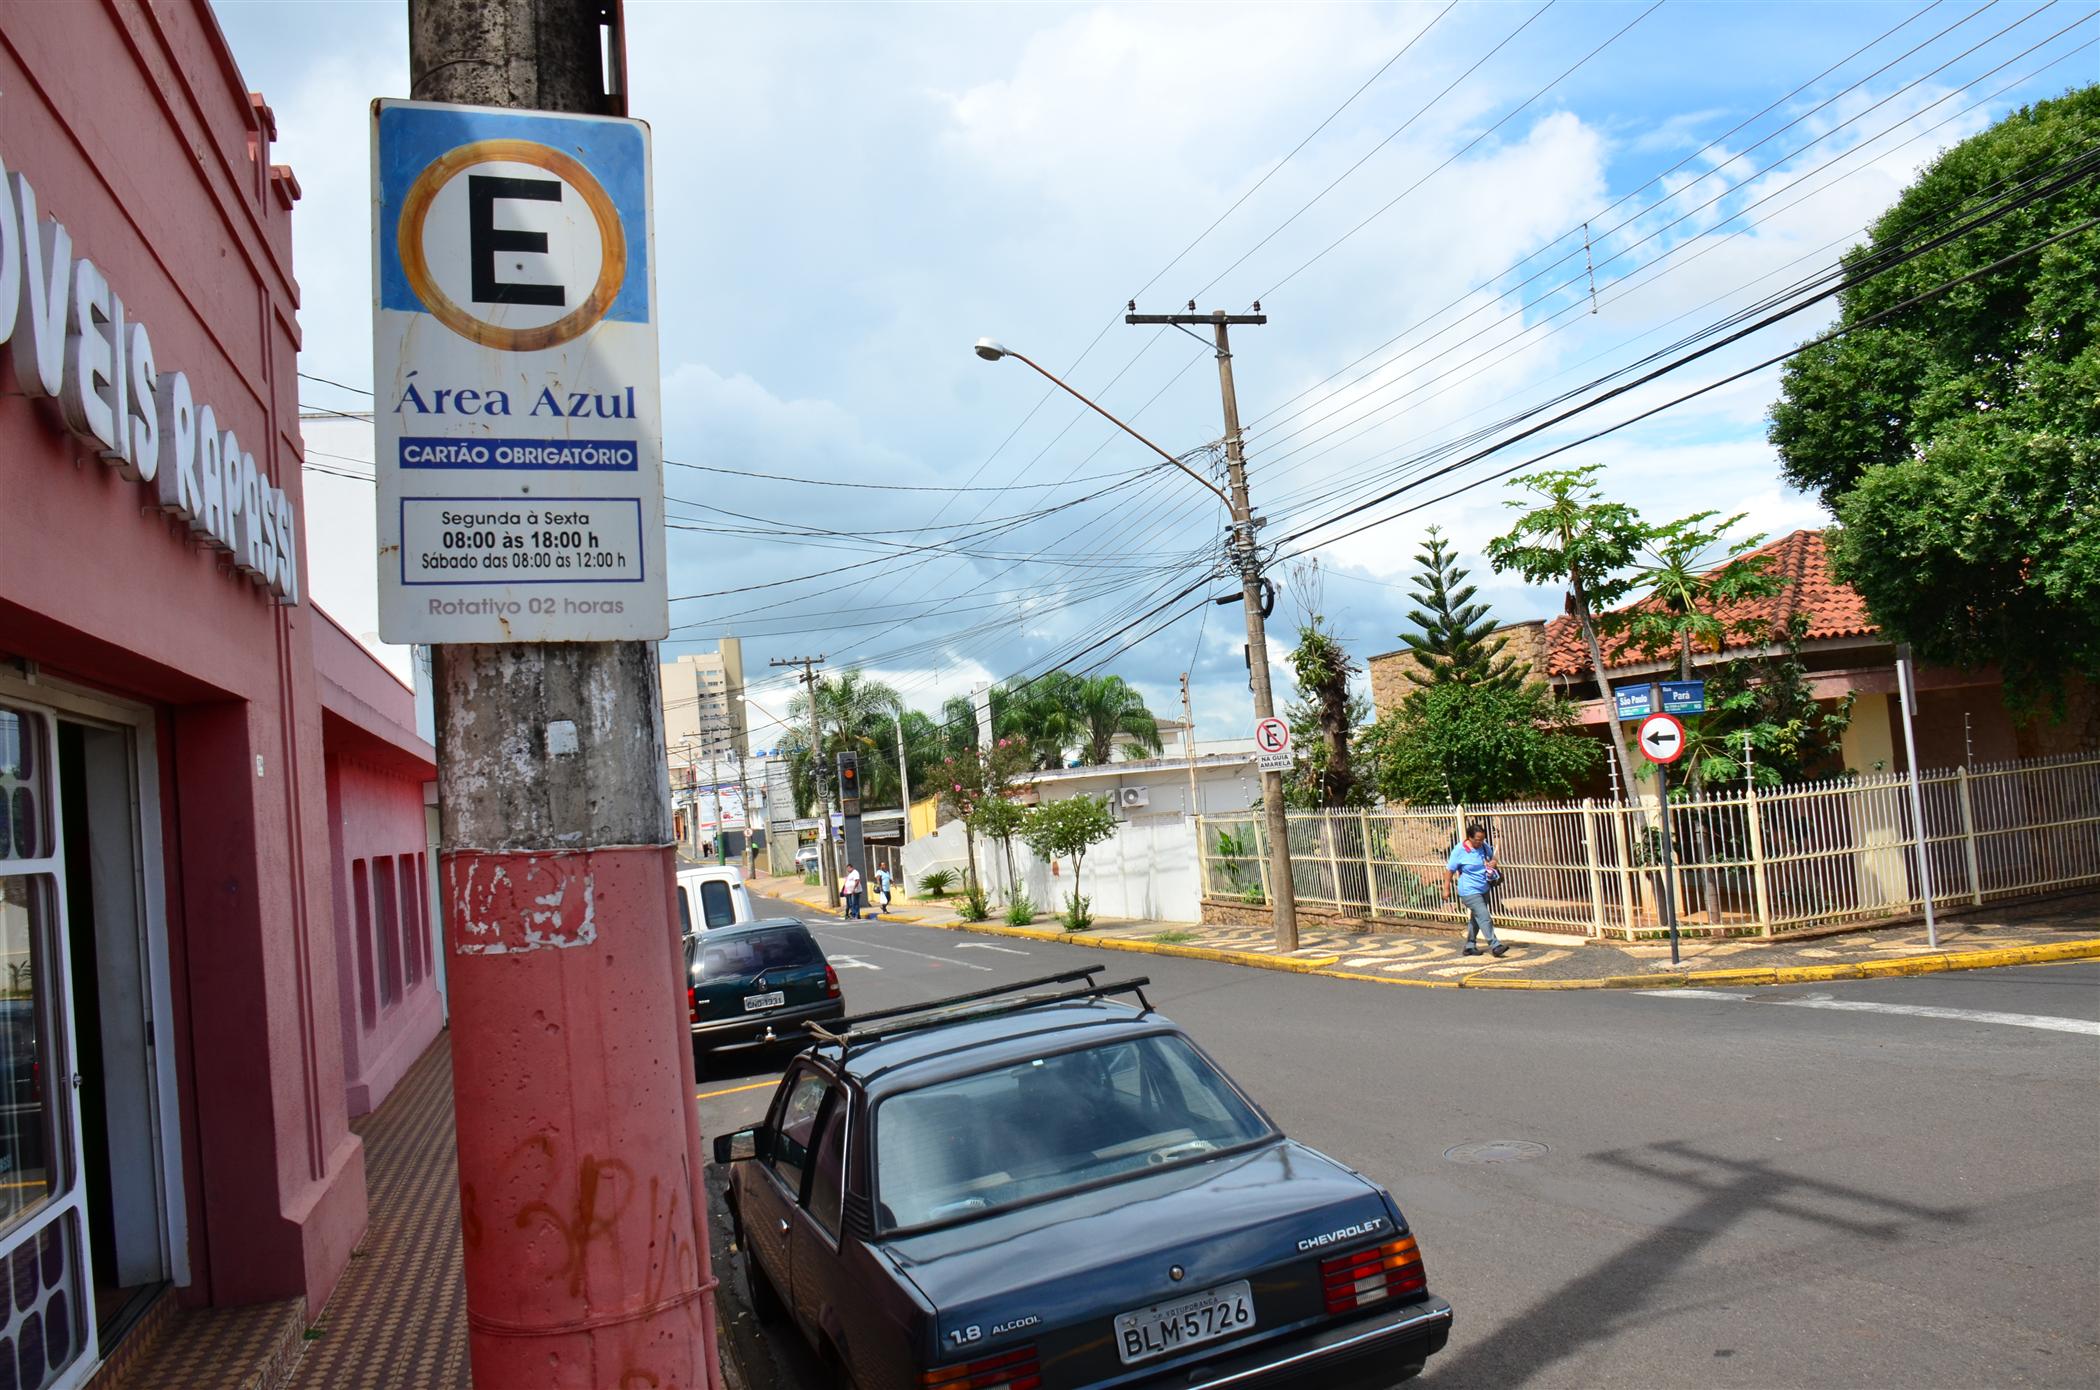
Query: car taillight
x,y
831,983
692,1003
1392,1270
1009,1370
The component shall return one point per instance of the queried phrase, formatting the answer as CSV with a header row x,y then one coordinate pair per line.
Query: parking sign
x,y
514,343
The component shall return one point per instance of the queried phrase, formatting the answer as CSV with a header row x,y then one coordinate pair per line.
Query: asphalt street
x,y
1866,1183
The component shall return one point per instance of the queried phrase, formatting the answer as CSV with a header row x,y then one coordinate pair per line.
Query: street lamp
x,y
1247,556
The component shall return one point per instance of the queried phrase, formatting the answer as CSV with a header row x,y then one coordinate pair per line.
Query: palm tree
x,y
854,714
1106,706
1044,711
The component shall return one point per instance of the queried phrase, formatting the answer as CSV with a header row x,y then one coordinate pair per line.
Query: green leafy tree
x,y
1480,743
1766,698
1067,830
1689,575
1958,441
1453,640
1000,819
976,776
1105,707
1570,534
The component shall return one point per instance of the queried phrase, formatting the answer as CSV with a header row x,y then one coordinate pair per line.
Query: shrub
x,y
1173,938
1020,912
812,878
1254,895
1076,916
937,882
975,906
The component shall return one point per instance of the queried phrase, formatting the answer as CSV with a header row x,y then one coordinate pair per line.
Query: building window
x,y
367,974
386,931
411,922
28,1130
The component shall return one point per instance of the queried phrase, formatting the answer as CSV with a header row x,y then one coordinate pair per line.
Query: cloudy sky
x,y
847,196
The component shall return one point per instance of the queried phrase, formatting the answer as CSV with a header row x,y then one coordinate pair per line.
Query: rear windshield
x,y
717,905
1049,1125
747,953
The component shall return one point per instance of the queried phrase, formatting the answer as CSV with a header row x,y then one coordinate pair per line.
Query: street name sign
x,y
1684,697
1661,738
519,437
1633,704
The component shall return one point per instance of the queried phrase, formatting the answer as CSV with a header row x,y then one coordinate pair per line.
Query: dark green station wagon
x,y
1036,1188
756,984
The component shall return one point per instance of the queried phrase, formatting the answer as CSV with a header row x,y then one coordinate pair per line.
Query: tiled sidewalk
x,y
398,1317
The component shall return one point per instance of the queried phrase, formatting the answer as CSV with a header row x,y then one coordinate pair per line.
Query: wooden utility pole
x,y
827,859
1188,720
1246,557
585,1246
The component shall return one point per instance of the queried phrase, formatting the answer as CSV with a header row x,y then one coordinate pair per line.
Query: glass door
x,y
43,1256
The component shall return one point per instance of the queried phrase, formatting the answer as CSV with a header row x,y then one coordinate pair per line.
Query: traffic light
x,y
849,783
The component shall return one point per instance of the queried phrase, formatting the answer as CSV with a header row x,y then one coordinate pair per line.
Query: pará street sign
x,y
1633,704
1661,738
1684,697
514,343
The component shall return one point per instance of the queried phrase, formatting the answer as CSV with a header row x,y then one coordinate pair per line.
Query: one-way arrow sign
x,y
1661,738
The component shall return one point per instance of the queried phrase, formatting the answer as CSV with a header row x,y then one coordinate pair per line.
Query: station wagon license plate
x,y
1143,1333
765,1001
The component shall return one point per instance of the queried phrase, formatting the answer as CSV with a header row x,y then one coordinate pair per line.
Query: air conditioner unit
x,y
1134,797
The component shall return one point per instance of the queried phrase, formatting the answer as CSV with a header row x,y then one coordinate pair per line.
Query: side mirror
x,y
737,1146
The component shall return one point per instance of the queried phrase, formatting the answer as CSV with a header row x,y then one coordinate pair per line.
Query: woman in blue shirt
x,y
1468,867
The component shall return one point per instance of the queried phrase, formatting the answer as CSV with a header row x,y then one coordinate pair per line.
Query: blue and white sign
x,y
1684,697
517,400
1634,704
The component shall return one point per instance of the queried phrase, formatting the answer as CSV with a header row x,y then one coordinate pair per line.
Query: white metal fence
x,y
1749,863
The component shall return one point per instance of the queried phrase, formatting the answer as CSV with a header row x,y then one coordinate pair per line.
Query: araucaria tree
x,y
1958,439
1453,639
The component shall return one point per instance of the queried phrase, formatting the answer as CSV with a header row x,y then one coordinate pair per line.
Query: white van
x,y
709,897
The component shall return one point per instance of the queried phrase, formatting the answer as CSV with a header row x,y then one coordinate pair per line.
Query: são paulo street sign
x,y
1661,738
1633,703
514,341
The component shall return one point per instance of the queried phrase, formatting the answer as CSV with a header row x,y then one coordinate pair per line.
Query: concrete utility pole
x,y
580,1162
827,857
904,775
1188,719
1246,556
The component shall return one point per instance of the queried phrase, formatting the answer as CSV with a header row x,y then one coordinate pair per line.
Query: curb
x,y
1309,965
1815,974
1943,962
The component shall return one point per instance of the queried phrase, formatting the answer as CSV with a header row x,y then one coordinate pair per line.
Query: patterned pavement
x,y
398,1318
1540,955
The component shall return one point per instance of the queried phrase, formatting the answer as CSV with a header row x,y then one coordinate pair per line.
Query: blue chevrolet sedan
x,y
1040,1187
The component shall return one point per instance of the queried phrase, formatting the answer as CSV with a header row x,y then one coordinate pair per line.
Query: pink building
x,y
214,903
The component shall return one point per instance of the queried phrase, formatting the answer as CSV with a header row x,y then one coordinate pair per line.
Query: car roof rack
x,y
848,1034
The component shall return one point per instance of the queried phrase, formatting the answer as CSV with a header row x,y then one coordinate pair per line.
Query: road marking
x,y
987,946
2086,1026
850,963
2050,1023
944,960
732,1090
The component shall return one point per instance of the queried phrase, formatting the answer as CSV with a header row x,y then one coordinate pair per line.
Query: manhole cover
x,y
1495,1151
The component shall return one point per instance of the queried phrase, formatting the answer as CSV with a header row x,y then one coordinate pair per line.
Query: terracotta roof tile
x,y
1833,609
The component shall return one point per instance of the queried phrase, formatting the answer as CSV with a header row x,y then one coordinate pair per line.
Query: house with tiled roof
x,y
1961,717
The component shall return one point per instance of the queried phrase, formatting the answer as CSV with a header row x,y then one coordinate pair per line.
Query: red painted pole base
x,y
582,1209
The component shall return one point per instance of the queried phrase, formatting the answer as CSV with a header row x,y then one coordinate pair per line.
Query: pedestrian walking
x,y
1472,871
849,888
882,884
